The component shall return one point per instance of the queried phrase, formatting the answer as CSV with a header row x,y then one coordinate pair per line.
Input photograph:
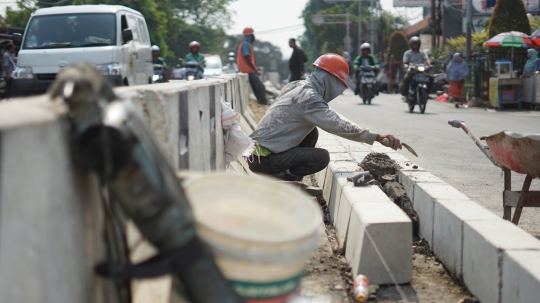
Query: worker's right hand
x,y
389,141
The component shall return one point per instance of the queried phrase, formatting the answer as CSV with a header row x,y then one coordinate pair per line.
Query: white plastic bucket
x,y
261,232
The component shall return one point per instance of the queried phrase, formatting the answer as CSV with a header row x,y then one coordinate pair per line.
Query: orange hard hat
x,y
334,64
248,31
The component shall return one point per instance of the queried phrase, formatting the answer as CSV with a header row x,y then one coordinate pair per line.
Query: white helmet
x,y
365,46
231,54
155,48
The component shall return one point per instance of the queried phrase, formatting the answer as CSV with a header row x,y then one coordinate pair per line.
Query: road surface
x,y
448,152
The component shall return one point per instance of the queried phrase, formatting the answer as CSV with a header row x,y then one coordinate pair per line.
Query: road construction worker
x,y
245,59
156,59
410,58
194,55
286,136
365,58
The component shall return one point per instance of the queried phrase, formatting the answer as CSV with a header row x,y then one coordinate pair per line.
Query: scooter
x,y
159,74
418,91
193,71
367,83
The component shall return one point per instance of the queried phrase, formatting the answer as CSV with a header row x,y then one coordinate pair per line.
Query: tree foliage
x,y
397,45
535,23
318,40
459,44
509,15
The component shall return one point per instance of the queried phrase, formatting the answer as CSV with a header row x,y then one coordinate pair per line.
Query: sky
x,y
267,15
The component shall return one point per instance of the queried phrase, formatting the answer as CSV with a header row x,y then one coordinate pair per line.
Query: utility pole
x,y
433,28
359,18
372,27
469,21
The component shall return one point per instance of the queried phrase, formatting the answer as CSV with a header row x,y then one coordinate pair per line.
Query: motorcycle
x,y
193,71
367,84
418,91
159,74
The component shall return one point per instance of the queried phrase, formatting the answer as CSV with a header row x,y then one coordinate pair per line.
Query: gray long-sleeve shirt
x,y
302,106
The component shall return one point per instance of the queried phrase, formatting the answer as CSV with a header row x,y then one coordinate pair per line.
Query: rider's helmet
x,y
231,54
416,40
365,46
194,44
248,31
155,48
335,65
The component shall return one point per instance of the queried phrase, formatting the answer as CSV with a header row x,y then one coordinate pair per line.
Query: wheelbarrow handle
x,y
484,148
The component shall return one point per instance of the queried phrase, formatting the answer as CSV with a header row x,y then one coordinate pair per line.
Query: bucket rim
x,y
311,227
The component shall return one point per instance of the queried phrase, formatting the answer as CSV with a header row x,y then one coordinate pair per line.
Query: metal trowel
x,y
386,143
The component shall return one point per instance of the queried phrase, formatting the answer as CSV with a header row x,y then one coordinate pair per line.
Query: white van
x,y
113,38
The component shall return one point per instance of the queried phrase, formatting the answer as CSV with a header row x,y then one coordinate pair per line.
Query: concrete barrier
x,y
50,212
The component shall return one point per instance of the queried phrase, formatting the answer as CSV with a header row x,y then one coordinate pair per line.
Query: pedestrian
x,y
296,62
391,69
247,64
286,136
529,83
456,72
8,64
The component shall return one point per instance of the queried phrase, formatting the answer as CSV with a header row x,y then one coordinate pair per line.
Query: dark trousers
x,y
258,88
299,161
407,84
7,90
295,76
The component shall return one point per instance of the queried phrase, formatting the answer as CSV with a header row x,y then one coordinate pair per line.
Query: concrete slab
x,y
483,245
351,195
380,231
320,177
409,178
336,196
521,277
341,157
334,171
424,198
449,216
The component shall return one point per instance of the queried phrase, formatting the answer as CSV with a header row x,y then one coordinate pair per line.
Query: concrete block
x,y
215,121
387,227
245,125
336,196
341,157
449,216
334,171
425,195
320,177
409,179
199,128
520,277
349,196
483,245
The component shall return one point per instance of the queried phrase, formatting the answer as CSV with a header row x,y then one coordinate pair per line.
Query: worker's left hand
x,y
389,141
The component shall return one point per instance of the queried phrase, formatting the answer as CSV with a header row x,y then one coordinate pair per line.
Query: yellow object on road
x,y
494,92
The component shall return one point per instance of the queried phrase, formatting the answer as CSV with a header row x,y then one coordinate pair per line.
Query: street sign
x,y
318,20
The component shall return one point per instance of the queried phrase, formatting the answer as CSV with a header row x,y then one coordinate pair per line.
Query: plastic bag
x,y
237,142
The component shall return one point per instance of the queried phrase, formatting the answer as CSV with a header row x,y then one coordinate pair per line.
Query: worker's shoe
x,y
287,176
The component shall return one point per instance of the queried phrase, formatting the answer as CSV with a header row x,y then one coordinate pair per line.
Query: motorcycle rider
x,y
286,136
410,58
194,55
156,59
231,66
365,59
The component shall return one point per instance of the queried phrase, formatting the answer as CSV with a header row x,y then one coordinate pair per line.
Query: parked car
x,y
113,38
214,67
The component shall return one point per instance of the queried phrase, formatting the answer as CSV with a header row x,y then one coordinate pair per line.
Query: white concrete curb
x,y
364,216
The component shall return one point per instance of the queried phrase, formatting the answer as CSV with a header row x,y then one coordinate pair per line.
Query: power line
x,y
279,29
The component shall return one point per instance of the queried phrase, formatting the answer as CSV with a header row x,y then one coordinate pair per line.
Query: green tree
x,y
397,46
509,15
19,17
535,23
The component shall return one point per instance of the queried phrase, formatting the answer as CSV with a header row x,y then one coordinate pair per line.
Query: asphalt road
x,y
448,152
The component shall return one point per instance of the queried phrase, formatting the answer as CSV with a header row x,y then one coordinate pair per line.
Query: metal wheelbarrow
x,y
512,152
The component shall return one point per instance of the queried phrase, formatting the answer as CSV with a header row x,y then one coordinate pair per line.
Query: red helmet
x,y
194,43
248,31
334,64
